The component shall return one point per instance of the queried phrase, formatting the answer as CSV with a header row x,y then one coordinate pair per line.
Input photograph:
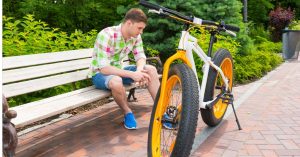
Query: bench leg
x,y
10,139
131,94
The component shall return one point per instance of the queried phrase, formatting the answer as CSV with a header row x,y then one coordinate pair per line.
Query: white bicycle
x,y
175,113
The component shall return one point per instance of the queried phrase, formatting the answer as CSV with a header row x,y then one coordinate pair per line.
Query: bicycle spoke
x,y
169,136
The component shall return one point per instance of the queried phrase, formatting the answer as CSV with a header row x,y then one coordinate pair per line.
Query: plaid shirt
x,y
110,49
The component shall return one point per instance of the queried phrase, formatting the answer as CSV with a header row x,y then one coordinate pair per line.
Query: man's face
x,y
135,28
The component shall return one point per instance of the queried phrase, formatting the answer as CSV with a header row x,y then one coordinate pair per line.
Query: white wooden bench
x,y
30,73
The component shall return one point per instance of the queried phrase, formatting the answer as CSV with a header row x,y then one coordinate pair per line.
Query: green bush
x,y
262,40
294,25
259,33
247,43
29,36
254,66
270,46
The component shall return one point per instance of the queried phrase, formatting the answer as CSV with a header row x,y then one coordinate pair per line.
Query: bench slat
x,y
38,110
35,111
43,58
15,89
44,70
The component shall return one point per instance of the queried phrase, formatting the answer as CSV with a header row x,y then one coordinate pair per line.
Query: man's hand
x,y
145,82
140,76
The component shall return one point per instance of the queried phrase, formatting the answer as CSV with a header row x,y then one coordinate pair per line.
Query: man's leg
x,y
154,83
115,84
119,93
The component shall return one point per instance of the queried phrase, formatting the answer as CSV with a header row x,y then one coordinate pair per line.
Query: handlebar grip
x,y
149,5
232,28
228,27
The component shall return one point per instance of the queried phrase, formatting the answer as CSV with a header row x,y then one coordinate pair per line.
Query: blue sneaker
x,y
168,125
129,121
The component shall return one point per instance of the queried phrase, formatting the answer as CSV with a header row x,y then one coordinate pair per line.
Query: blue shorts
x,y
101,81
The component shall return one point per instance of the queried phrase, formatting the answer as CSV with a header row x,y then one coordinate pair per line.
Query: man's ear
x,y
129,22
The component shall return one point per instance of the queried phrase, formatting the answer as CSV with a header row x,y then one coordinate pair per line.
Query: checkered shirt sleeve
x,y
102,50
138,50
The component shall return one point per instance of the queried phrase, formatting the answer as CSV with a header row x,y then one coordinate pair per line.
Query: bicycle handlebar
x,y
232,28
187,18
226,26
158,7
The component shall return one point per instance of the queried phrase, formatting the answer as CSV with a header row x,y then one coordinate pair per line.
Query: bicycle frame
x,y
187,45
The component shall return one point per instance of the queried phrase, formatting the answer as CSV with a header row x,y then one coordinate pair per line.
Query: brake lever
x,y
231,33
155,11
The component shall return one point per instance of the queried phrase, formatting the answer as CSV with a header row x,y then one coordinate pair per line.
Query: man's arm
x,y
137,76
139,55
111,70
140,64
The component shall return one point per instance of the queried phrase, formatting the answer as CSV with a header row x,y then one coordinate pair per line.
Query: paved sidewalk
x,y
270,119
269,112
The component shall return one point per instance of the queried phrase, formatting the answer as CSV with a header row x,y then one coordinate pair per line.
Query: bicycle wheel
x,y
215,86
181,104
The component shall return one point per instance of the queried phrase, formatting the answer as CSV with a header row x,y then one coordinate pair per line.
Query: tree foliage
x,y
258,11
161,33
292,4
230,12
68,14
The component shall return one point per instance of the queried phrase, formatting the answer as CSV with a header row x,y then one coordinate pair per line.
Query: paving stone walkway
x,y
270,118
268,109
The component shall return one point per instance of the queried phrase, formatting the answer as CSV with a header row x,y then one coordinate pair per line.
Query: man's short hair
x,y
136,15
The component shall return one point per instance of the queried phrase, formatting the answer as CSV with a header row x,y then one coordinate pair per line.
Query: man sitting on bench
x,y
112,45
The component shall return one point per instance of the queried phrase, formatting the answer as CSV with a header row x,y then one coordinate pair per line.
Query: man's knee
x,y
151,70
115,83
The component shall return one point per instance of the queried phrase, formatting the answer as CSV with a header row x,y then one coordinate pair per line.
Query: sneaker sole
x,y
168,127
130,128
